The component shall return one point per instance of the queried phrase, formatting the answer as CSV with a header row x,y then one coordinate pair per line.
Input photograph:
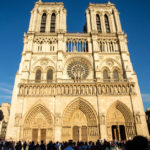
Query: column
x,y
38,22
57,21
39,135
80,133
117,20
92,20
48,23
64,20
88,21
34,21
102,23
112,25
31,21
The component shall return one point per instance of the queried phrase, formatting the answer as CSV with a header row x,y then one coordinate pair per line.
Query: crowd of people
x,y
137,143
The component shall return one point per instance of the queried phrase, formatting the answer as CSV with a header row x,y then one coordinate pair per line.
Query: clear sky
x,y
14,21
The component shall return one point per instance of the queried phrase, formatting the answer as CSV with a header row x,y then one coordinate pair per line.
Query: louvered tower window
x,y
98,22
43,23
107,24
53,23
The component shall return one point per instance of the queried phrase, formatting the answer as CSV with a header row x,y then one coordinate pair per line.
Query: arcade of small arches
x,y
78,122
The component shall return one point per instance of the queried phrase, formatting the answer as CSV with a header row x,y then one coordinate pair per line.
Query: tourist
x,y
69,146
42,146
138,143
18,146
24,145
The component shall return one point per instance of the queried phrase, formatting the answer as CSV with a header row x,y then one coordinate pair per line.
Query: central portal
x,y
79,122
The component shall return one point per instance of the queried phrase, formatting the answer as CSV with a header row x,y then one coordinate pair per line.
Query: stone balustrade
x,y
76,89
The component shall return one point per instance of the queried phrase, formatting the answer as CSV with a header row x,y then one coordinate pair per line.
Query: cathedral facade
x,y
75,86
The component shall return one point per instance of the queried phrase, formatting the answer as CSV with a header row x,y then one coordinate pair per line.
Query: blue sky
x,y
14,21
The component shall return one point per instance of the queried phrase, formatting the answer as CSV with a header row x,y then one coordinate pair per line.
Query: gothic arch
x,y
123,109
34,111
119,73
119,114
88,114
38,68
38,119
85,107
105,68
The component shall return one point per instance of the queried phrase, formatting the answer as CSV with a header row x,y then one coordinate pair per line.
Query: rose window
x,y
78,70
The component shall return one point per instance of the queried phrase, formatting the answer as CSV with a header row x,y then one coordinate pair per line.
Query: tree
x,y
1,115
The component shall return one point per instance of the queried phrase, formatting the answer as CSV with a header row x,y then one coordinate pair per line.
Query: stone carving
x,y
76,89
110,63
102,119
78,70
137,118
44,62
18,117
58,119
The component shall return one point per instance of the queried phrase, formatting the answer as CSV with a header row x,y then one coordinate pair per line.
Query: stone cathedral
x,y
75,86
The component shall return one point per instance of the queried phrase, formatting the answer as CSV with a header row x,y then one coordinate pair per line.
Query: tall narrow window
x,y
43,23
115,75
107,24
105,76
38,76
53,22
50,75
98,22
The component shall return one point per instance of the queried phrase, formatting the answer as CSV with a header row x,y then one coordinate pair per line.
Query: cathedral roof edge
x,y
101,4
49,3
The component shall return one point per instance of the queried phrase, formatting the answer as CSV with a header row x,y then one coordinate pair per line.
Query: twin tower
x,y
51,18
75,86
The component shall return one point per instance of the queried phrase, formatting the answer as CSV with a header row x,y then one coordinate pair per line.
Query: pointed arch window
x,y
50,75
43,22
105,76
98,22
107,24
38,75
115,75
53,22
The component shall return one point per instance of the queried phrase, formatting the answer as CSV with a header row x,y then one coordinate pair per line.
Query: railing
x,y
76,89
108,45
77,45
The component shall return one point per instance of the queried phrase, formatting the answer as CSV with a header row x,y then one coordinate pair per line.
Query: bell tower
x,y
48,18
103,18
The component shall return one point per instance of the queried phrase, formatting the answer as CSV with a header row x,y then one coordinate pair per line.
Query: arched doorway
x,y
119,122
38,125
79,122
